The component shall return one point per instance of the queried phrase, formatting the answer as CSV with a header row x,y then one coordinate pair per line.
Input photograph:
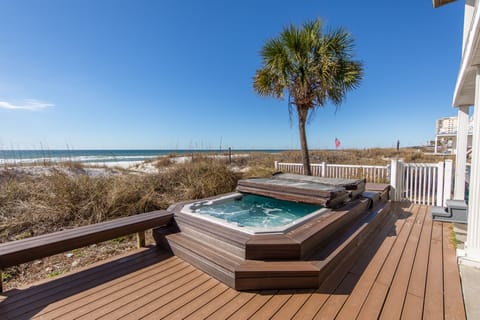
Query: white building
x,y
466,94
446,134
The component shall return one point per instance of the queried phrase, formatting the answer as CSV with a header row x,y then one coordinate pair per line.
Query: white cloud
x,y
30,104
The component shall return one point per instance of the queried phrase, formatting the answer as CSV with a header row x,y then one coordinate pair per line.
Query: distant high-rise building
x,y
446,134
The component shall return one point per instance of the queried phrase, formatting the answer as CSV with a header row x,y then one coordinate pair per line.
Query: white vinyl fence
x,y
423,183
375,174
420,183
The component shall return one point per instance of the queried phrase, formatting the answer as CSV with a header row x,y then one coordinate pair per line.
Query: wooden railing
x,y
25,250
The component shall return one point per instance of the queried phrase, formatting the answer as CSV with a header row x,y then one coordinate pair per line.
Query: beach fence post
x,y
229,155
324,169
276,165
1,280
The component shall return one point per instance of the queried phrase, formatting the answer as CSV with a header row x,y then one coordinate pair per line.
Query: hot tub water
x,y
254,211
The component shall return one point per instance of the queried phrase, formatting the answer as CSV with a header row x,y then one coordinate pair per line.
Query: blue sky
x,y
178,73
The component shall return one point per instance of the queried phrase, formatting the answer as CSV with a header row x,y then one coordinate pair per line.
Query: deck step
x,y
218,263
229,240
322,237
346,247
358,230
206,237
457,207
456,211
311,273
254,274
440,212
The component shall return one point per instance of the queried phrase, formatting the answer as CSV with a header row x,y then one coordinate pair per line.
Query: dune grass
x,y
33,205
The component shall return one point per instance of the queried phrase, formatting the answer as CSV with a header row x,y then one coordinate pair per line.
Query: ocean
x,y
98,156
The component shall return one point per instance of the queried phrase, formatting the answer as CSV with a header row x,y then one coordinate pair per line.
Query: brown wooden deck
x,y
409,271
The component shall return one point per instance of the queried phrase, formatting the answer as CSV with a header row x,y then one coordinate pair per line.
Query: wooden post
x,y
472,248
440,184
461,155
447,182
229,155
141,239
393,179
324,169
1,280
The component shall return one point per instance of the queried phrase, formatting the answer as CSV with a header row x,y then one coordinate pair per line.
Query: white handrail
x,y
370,172
421,183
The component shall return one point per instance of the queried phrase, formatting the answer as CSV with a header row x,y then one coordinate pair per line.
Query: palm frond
x,y
313,66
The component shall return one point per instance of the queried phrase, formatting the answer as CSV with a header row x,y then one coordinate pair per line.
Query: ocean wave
x,y
80,159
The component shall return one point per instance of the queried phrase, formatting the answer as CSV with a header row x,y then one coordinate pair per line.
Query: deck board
x,y
413,308
408,271
375,300
332,306
150,304
270,309
392,308
110,300
85,298
454,308
113,309
208,288
227,309
433,304
211,306
253,305
418,277
290,308
42,293
191,305
369,273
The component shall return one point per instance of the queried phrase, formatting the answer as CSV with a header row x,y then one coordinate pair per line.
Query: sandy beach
x,y
107,168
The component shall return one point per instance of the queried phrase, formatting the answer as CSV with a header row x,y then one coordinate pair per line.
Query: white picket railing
x,y
292,167
420,183
423,183
375,174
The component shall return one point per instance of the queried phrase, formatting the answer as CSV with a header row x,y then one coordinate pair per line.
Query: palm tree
x,y
313,67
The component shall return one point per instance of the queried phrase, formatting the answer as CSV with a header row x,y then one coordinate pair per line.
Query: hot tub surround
x,y
300,257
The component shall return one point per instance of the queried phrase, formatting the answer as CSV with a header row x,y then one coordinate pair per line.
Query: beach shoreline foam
x,y
94,169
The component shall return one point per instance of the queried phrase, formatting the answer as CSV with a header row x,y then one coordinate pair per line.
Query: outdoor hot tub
x,y
275,205
254,214
287,231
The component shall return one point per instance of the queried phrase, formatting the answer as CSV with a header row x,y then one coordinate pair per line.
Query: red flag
x,y
337,143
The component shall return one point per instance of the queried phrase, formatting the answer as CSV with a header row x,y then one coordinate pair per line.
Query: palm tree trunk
x,y
302,119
